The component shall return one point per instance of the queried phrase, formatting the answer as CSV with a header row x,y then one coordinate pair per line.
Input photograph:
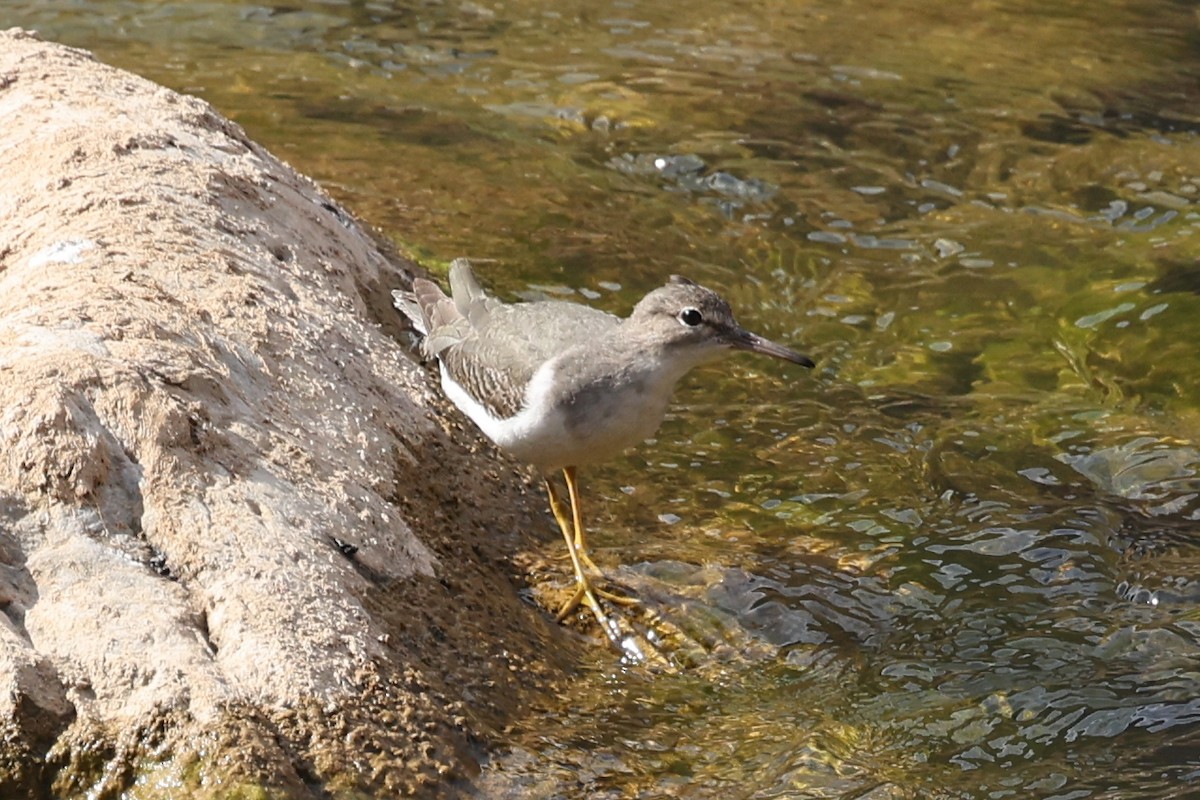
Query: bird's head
x,y
685,317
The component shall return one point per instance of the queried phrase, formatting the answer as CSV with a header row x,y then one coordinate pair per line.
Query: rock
x,y
238,549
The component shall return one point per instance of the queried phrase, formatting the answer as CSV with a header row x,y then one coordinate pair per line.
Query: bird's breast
x,y
569,420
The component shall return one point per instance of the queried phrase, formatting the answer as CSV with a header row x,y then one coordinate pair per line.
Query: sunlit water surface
x,y
958,560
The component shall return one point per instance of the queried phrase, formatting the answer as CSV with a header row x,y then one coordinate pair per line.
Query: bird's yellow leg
x,y
583,592
560,513
577,521
581,538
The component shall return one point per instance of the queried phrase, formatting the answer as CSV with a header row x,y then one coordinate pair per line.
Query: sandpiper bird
x,y
561,385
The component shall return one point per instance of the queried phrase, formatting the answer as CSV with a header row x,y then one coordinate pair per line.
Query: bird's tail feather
x,y
443,321
464,287
406,304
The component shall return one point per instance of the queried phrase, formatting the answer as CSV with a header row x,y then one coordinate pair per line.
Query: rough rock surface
x,y
202,415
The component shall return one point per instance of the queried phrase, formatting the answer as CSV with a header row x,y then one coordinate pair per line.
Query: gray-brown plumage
x,y
559,384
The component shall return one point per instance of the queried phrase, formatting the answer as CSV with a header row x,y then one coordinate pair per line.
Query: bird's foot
x,y
584,595
582,589
619,599
613,597
580,598
636,645
586,560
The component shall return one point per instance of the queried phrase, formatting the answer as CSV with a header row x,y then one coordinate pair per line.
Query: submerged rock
x,y
232,549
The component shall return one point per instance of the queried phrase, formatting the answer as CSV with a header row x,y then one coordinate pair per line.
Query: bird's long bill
x,y
745,340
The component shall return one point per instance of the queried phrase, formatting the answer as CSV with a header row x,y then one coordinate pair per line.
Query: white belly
x,y
550,438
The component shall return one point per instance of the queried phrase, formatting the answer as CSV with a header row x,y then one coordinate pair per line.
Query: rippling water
x,y
958,561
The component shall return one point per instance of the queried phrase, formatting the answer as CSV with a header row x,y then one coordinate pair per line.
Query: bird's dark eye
x,y
690,317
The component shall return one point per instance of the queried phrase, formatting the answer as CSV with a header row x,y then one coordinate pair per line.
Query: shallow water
x,y
960,558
